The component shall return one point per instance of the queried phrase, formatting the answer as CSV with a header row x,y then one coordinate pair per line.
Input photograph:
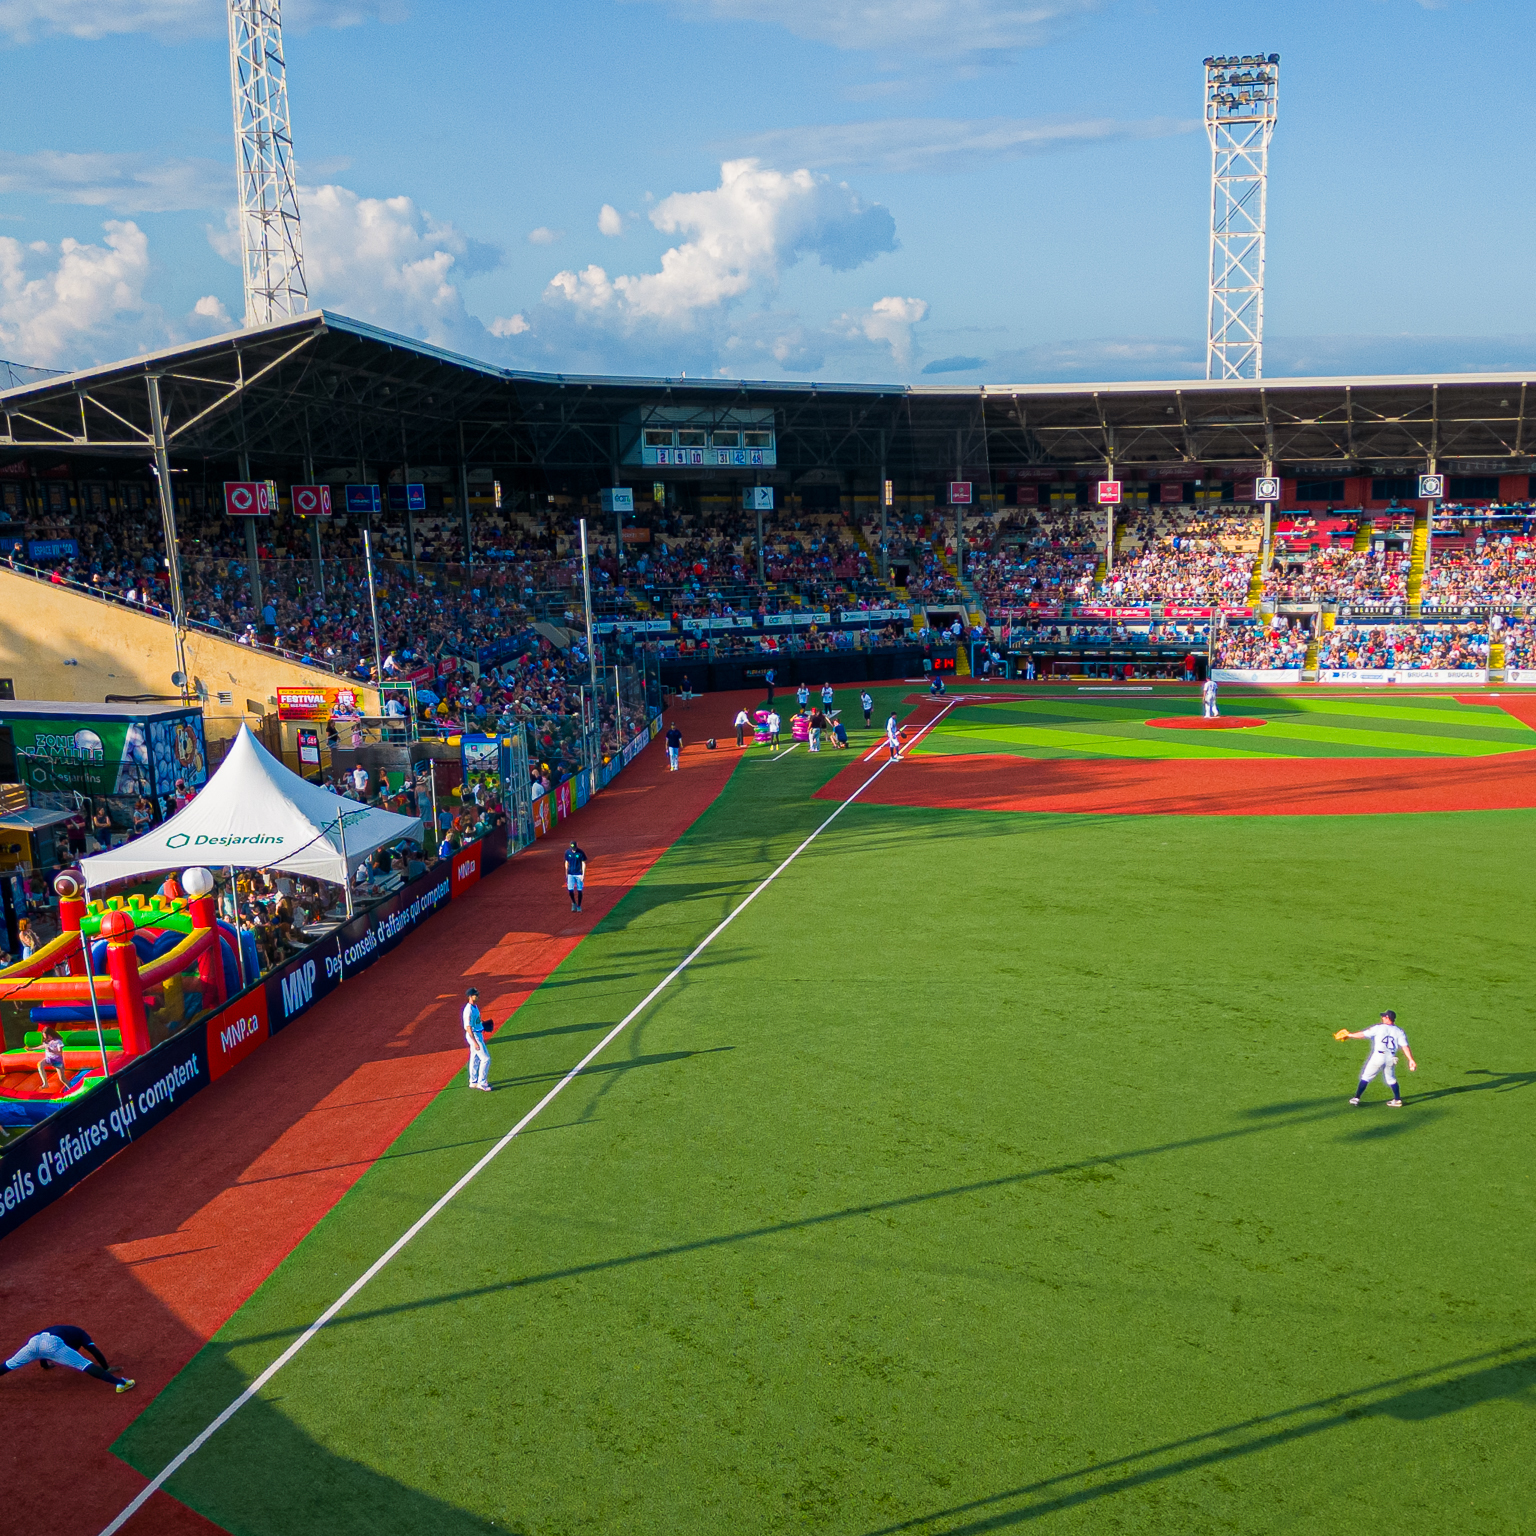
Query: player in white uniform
x,y
1386,1041
1208,698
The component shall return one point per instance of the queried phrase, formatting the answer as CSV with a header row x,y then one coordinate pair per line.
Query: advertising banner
x,y
1472,677
248,498
318,703
466,869
377,931
299,985
310,500
1261,675
55,755
52,549
81,1136
1519,675
563,801
236,1030
543,816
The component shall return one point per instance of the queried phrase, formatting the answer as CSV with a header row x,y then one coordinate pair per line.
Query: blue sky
x,y
946,191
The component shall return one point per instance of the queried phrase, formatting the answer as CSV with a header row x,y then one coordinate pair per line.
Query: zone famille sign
x,y
1109,493
249,498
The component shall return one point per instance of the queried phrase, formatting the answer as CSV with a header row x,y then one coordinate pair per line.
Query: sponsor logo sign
x,y
300,984
1432,487
543,816
376,932
52,549
1109,493
959,493
234,1032
1256,675
311,500
466,869
1267,488
248,498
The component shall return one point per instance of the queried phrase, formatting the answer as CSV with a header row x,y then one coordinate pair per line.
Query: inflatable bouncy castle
x,y
122,976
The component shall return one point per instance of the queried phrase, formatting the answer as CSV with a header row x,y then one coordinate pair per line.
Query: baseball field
x,y
967,1150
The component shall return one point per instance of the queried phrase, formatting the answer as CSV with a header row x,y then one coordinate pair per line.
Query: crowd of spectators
x,y
1482,570
1262,648
1343,575
1388,647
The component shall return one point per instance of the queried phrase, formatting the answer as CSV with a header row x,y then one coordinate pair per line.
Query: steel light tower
x,y
1242,101
271,251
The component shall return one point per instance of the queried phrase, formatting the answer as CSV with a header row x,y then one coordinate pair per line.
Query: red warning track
x,y
157,1250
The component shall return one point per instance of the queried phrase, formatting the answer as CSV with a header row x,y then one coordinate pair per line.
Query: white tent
x,y
256,814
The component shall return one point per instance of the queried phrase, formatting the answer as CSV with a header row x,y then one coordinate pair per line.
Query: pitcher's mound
x,y
1199,723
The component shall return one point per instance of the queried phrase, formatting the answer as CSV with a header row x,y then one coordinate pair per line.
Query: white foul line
x,y
191,1449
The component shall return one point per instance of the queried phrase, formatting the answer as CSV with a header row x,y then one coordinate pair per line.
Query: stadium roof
x,y
339,392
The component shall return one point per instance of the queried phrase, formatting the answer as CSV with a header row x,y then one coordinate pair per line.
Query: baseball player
x,y
867,704
1386,1041
474,1038
674,745
893,739
774,726
62,1344
575,874
826,698
1208,698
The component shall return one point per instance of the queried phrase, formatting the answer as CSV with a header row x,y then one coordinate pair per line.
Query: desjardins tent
x,y
256,814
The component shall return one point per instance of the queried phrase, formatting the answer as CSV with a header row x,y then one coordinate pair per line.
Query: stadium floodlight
x,y
1242,101
271,252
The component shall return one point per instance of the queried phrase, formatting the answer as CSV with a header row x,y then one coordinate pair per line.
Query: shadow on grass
x,y
263,1475
1499,1375
804,1223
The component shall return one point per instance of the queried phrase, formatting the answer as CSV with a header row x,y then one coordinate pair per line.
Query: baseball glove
x,y
1341,1034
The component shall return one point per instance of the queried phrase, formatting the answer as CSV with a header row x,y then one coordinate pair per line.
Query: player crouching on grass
x,y
1386,1041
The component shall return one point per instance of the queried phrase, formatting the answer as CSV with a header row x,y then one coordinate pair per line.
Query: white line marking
x,y
779,756
191,1449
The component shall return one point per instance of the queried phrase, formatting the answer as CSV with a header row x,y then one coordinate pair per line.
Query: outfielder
x,y
1208,698
66,1344
1386,1041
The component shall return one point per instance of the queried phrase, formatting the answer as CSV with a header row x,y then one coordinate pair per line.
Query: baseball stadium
x,y
1044,1052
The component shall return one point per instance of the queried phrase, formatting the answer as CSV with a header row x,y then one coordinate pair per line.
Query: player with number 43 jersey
x,y
1387,1039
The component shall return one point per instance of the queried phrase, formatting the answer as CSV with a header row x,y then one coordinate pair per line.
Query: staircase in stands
x,y
1417,555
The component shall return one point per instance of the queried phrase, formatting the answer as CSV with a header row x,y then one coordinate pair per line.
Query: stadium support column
x,y
314,522
613,479
885,563
252,552
959,511
1109,523
168,523
761,579
1269,515
586,592
469,547
410,519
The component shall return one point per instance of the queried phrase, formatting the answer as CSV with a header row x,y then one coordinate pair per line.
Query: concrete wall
x,y
56,643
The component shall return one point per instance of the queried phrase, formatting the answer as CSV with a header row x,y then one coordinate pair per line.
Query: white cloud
x,y
24,20
386,261
126,183
949,144
211,307
510,325
78,303
544,235
743,233
908,28
888,322
609,221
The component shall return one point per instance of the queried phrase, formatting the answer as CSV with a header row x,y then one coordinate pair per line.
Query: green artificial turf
x,y
1070,726
990,1171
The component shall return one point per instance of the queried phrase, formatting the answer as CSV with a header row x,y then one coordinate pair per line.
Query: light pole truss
x,y
271,249
1242,101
